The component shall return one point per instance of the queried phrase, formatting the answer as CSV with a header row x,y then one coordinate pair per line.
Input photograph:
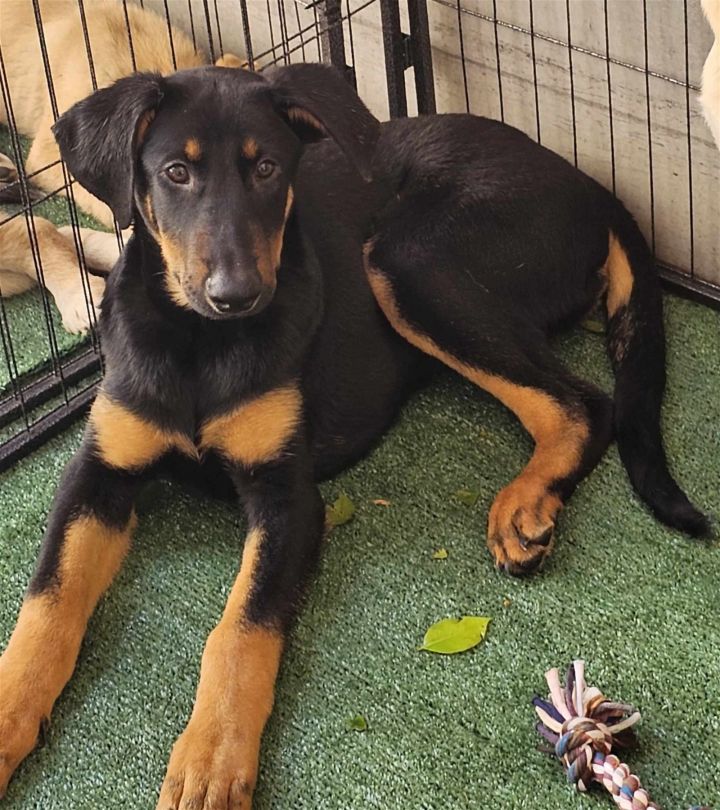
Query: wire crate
x,y
610,84
613,86
47,376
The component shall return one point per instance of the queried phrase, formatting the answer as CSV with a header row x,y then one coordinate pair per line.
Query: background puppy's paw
x,y
73,306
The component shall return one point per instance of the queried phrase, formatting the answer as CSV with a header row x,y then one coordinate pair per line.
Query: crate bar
x,y
461,46
45,428
688,286
249,50
48,386
422,56
393,43
332,38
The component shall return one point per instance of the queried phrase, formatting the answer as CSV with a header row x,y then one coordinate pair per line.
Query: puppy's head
x,y
207,158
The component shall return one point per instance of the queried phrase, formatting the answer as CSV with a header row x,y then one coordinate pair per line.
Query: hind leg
x,y
61,274
569,420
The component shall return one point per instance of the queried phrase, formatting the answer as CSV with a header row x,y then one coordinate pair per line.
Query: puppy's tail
x,y
636,344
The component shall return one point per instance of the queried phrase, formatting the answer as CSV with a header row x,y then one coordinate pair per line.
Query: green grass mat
x,y
638,602
31,335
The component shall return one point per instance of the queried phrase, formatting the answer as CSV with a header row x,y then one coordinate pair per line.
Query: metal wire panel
x,y
613,86
610,84
48,376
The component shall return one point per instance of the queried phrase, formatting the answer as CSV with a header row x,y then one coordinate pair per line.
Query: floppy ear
x,y
317,102
99,137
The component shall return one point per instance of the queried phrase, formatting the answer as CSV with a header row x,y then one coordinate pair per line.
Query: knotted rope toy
x,y
584,726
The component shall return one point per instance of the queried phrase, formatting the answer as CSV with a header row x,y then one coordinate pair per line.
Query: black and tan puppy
x,y
271,313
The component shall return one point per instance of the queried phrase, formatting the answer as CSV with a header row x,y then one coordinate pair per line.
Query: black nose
x,y
231,296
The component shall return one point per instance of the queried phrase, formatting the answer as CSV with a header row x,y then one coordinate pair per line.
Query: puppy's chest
x,y
254,431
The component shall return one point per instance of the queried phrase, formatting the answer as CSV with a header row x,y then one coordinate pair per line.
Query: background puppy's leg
x,y
101,249
569,420
13,283
214,762
61,273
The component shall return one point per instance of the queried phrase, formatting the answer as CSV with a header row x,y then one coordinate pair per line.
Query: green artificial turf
x,y
638,602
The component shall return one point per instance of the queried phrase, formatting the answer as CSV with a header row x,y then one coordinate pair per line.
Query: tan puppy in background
x,y
58,257
32,111
710,96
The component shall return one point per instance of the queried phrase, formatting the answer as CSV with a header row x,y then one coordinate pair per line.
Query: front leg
x,y
88,536
214,763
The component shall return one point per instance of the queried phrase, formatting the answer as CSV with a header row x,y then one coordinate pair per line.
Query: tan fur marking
x,y
543,418
527,506
42,651
174,259
234,698
150,214
229,60
288,204
268,250
129,442
258,430
250,148
619,275
301,114
145,120
192,149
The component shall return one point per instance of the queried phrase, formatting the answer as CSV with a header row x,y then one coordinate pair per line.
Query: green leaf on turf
x,y
450,636
469,497
356,723
340,512
594,326
440,554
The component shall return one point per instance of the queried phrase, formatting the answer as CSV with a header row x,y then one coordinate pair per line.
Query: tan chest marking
x,y
127,441
256,431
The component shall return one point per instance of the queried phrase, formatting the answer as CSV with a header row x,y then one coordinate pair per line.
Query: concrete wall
x,y
676,163
303,31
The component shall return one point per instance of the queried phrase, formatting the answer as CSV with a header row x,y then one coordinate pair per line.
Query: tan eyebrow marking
x,y
250,148
192,149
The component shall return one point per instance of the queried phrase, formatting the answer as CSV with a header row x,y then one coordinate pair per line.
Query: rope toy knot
x,y
581,738
583,727
582,724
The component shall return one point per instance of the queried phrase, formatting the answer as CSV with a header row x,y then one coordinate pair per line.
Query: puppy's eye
x,y
264,169
178,173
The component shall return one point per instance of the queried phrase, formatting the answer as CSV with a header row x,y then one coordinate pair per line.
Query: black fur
x,y
479,244
98,142
490,242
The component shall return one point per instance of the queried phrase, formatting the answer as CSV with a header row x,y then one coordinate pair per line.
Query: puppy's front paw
x,y
211,768
74,307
